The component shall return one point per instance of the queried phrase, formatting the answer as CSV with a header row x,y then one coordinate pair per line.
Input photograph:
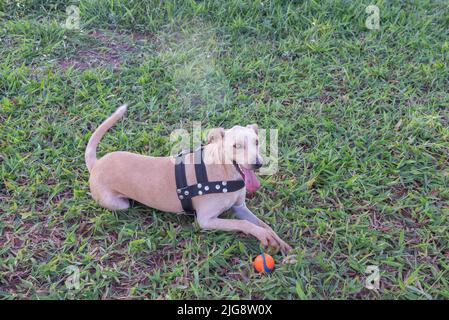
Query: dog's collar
x,y
203,186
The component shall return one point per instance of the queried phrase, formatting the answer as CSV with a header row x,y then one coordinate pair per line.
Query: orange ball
x,y
263,263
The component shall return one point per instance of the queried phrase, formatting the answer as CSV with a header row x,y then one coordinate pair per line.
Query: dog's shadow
x,y
137,208
167,217
186,222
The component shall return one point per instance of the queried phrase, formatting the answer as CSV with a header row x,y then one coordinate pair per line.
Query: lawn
x,y
362,117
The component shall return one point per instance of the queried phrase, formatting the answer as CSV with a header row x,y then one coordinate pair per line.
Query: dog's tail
x,y
91,149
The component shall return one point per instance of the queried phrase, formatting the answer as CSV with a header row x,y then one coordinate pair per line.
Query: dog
x,y
119,176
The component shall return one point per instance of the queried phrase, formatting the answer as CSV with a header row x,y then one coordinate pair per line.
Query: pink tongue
x,y
251,182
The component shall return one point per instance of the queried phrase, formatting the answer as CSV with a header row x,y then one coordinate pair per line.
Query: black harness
x,y
203,185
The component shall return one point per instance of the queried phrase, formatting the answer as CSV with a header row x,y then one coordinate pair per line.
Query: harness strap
x,y
181,182
203,186
200,189
200,168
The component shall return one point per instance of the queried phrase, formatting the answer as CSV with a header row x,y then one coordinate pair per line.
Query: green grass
x,y
363,143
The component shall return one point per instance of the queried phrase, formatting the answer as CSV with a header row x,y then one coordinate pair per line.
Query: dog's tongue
x,y
251,182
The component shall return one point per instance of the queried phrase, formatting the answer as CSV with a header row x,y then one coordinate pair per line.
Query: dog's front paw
x,y
265,238
283,246
268,238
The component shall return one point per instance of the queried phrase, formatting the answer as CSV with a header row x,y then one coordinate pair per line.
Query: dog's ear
x,y
215,135
254,126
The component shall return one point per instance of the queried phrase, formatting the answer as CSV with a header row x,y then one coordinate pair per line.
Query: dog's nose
x,y
258,164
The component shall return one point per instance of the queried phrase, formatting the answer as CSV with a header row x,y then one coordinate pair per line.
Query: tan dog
x,y
119,176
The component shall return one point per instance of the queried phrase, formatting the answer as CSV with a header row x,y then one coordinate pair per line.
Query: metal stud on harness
x,y
203,186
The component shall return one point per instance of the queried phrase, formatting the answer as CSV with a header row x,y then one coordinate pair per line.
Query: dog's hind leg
x,y
115,203
111,200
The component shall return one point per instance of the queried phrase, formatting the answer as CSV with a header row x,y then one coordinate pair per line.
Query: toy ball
x,y
263,263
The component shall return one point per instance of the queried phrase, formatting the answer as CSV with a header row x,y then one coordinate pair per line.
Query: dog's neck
x,y
213,154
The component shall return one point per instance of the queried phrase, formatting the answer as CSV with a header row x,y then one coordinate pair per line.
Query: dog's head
x,y
239,145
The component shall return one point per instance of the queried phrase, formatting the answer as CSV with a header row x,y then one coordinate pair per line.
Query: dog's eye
x,y
237,146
